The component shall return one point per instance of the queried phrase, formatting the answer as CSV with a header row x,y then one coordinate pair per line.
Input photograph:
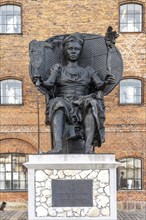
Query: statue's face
x,y
73,51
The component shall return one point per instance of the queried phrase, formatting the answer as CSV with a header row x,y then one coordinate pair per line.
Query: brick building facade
x,y
125,122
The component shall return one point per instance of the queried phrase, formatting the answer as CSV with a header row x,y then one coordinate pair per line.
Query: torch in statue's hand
x,y
109,79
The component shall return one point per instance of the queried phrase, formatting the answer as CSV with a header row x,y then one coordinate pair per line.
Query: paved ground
x,y
122,215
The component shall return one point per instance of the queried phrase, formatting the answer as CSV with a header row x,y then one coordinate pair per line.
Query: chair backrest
x,y
44,54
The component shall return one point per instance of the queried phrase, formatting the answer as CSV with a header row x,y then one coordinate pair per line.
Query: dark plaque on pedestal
x,y
72,193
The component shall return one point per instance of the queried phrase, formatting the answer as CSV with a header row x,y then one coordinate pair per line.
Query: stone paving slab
x,y
122,215
131,215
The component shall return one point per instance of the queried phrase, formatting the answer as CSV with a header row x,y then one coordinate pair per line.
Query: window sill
x,y
11,34
13,191
131,32
130,104
11,105
129,190
7,191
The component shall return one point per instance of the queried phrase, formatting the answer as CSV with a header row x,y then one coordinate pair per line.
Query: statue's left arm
x,y
98,83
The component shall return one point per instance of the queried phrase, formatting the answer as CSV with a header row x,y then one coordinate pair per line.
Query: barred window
x,y
13,174
11,92
131,18
10,19
130,91
130,174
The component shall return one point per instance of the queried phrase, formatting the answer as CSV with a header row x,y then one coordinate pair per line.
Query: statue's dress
x,y
73,95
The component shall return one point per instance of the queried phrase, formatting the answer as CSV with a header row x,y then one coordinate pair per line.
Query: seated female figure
x,y
73,102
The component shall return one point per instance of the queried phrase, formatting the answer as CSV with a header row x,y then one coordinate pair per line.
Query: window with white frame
x,y
13,174
131,17
130,174
10,19
11,92
130,91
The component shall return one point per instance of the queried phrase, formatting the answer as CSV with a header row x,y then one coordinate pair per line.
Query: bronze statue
x,y
74,95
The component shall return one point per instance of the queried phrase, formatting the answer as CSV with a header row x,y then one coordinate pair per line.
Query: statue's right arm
x,y
54,74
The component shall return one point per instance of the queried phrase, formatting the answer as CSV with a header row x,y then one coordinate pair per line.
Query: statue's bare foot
x,y
89,150
55,151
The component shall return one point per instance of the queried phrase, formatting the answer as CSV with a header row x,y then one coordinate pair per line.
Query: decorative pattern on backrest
x,y
44,54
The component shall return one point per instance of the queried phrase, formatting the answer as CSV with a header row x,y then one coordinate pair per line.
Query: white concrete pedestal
x,y
100,168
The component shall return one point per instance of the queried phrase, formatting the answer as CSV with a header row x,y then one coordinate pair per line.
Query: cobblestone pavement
x,y
122,215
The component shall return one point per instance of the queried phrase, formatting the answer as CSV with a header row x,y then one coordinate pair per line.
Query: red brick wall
x,y
17,145
14,196
125,125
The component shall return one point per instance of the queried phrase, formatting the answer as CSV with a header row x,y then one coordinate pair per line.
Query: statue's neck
x,y
72,64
